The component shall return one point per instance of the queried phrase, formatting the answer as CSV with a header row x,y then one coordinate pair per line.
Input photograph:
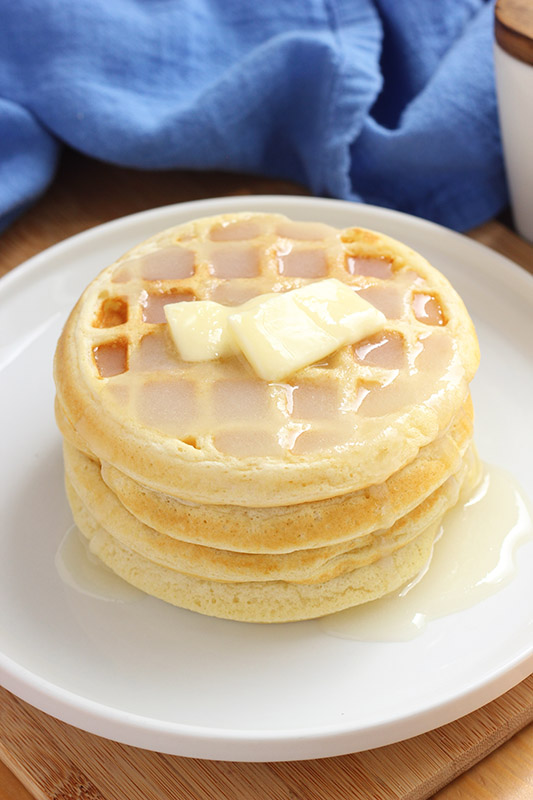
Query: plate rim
x,y
181,739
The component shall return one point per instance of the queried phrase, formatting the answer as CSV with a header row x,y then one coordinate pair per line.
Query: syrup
x,y
80,569
473,557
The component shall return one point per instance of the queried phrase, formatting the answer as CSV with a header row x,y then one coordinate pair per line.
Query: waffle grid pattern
x,y
320,401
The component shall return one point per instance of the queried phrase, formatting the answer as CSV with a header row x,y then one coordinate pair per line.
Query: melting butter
x,y
82,570
473,557
278,333
288,331
200,330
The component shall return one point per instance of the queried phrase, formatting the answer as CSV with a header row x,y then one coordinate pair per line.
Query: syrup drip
x,y
473,558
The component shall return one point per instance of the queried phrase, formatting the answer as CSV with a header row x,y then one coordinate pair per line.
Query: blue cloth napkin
x,y
386,101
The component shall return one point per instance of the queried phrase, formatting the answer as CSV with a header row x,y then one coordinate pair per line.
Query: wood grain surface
x,y
55,760
47,759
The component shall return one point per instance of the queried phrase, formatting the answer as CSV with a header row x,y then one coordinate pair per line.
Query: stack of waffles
x,y
217,491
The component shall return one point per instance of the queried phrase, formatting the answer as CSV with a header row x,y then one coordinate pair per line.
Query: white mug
x,y
514,87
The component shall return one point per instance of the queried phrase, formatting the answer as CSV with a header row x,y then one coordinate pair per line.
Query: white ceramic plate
x,y
151,675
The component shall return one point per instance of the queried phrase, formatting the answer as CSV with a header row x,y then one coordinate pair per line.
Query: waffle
x,y
275,601
272,599
219,492
306,525
301,566
213,432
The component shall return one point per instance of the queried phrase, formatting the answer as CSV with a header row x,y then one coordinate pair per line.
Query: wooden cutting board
x,y
55,760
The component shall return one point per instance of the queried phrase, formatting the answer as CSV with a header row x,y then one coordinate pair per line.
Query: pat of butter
x,y
289,331
200,330
336,308
278,337
279,333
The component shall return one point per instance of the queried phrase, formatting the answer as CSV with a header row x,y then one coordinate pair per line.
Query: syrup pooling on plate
x,y
81,570
475,555
235,262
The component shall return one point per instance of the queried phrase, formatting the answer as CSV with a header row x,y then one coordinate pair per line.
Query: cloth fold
x,y
371,100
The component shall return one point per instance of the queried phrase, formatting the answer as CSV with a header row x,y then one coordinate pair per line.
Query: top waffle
x,y
213,432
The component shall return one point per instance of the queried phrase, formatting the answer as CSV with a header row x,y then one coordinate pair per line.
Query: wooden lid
x,y
514,28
